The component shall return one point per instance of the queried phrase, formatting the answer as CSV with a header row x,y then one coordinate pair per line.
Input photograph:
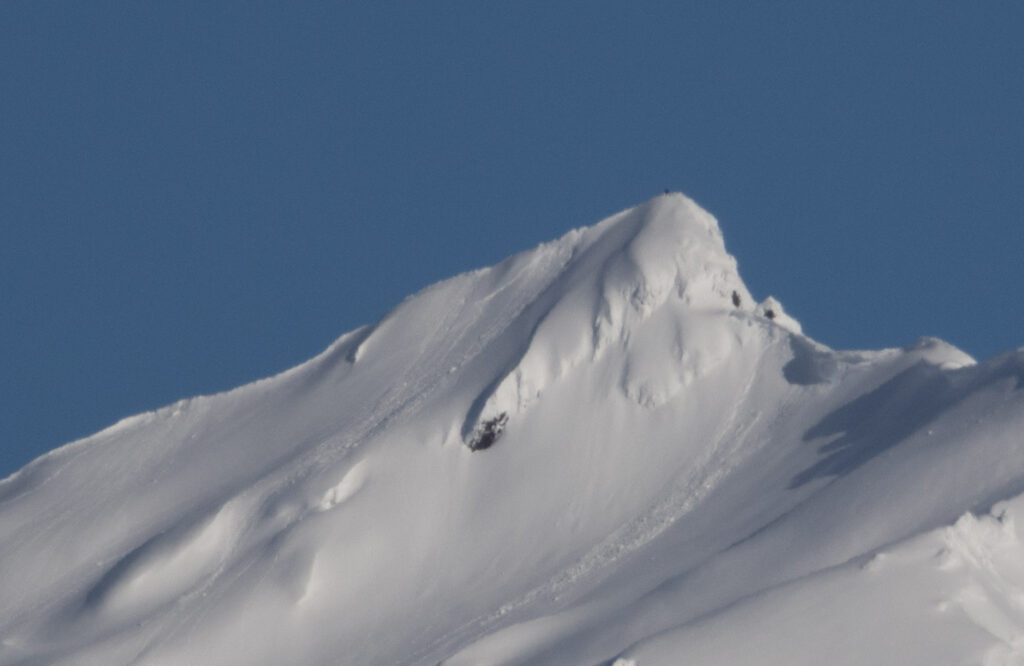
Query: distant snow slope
x,y
663,477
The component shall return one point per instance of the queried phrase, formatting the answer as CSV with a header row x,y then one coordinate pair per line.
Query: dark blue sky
x,y
194,195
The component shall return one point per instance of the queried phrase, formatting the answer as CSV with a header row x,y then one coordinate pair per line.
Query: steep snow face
x,y
622,274
601,448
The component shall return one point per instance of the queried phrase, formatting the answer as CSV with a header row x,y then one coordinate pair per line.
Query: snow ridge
x,y
601,450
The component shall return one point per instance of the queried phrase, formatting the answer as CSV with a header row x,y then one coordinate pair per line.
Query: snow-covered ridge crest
x,y
677,466
667,251
678,250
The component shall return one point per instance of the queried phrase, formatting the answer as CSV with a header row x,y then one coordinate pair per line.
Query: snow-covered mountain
x,y
599,451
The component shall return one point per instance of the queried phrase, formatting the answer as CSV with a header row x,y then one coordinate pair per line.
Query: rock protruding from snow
x,y
770,308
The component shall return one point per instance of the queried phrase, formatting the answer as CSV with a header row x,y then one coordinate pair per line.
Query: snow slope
x,y
662,477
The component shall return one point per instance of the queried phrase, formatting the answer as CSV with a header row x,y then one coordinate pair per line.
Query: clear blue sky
x,y
194,195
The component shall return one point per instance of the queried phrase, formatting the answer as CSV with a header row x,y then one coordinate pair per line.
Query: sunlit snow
x,y
667,478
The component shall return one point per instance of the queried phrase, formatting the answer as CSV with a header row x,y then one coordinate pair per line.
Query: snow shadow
x,y
809,365
877,421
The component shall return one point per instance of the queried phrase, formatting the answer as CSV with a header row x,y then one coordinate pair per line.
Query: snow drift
x,y
599,451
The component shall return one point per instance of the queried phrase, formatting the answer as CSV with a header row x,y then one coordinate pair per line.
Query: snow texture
x,y
586,454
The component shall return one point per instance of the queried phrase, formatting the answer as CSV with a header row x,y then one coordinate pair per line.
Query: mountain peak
x,y
671,243
659,448
665,255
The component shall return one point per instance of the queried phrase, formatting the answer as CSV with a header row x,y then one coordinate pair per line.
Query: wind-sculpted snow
x,y
949,596
667,248
587,454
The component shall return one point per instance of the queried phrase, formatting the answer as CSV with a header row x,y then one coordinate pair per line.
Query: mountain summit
x,y
598,451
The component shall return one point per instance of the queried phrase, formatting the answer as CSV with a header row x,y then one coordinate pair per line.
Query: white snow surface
x,y
679,481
